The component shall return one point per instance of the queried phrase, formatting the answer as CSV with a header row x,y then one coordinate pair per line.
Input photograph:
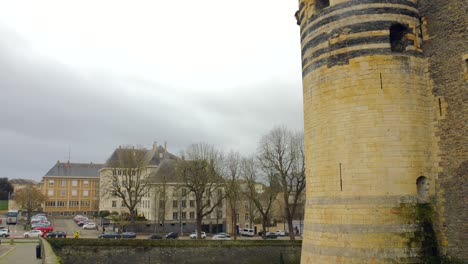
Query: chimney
x,y
155,146
58,161
165,146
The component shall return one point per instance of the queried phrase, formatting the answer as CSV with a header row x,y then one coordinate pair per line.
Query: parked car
x,y
154,236
57,234
224,234
33,233
128,235
89,225
194,235
172,235
45,229
110,235
82,223
271,236
280,233
221,237
4,232
247,232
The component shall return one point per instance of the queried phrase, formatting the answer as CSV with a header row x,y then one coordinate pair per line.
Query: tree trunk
x,y
264,224
234,223
199,223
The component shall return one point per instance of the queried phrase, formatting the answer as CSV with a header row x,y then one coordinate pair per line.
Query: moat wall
x,y
147,251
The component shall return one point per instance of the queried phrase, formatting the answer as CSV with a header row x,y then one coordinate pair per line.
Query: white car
x,y
194,235
280,233
221,237
33,233
89,226
4,232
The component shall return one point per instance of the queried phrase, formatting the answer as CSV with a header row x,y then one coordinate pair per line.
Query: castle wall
x,y
446,47
368,119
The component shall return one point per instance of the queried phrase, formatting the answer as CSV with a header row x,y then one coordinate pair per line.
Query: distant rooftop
x,y
68,169
149,157
23,181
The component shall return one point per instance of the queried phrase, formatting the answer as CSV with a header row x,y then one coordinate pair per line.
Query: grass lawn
x,y
3,205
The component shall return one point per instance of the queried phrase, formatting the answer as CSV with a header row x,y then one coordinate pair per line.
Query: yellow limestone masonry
x,y
369,133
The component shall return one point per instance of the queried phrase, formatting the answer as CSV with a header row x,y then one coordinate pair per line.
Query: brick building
x,y
71,188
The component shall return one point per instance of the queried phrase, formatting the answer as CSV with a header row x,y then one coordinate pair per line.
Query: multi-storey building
x,y
166,203
71,188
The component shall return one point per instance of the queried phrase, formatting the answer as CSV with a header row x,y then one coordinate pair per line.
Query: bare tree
x,y
29,198
201,173
129,178
232,187
262,198
282,152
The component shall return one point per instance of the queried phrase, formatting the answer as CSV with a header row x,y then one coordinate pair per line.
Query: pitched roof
x,y
166,172
122,157
68,169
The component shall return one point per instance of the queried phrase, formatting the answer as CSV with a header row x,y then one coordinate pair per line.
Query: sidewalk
x,y
21,253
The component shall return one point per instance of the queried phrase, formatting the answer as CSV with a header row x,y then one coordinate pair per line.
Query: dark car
x,y
128,235
154,236
172,235
110,235
271,236
57,234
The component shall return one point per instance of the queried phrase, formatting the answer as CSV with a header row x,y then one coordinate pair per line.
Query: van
x,y
247,232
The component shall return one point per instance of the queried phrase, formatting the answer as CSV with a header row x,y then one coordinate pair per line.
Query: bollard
x,y
38,251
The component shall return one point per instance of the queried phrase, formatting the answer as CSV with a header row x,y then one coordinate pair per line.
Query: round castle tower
x,y
368,132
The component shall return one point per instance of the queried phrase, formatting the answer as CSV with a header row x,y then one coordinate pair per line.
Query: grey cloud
x,y
47,106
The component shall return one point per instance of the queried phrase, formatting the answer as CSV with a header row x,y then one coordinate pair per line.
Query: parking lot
x,y
69,226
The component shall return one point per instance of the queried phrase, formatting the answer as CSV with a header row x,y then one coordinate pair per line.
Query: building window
x,y
74,192
238,217
74,183
73,203
208,202
61,203
51,182
399,37
184,192
85,203
64,183
246,206
422,185
50,204
184,203
175,204
114,203
86,183
246,217
192,215
50,192
122,203
62,192
175,216
184,215
192,203
162,203
85,192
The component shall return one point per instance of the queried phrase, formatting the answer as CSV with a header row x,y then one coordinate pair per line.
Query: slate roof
x,y
68,169
166,173
151,157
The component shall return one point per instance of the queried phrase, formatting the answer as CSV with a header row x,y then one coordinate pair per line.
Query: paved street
x,y
24,253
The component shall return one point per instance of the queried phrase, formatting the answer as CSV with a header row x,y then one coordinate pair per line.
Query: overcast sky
x,y
93,75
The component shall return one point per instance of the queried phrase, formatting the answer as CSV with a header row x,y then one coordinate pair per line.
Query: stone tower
x,y
372,139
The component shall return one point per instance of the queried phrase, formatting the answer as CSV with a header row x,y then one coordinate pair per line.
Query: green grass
x,y
3,205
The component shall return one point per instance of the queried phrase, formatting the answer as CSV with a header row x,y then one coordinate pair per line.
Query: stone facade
x,y
385,130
